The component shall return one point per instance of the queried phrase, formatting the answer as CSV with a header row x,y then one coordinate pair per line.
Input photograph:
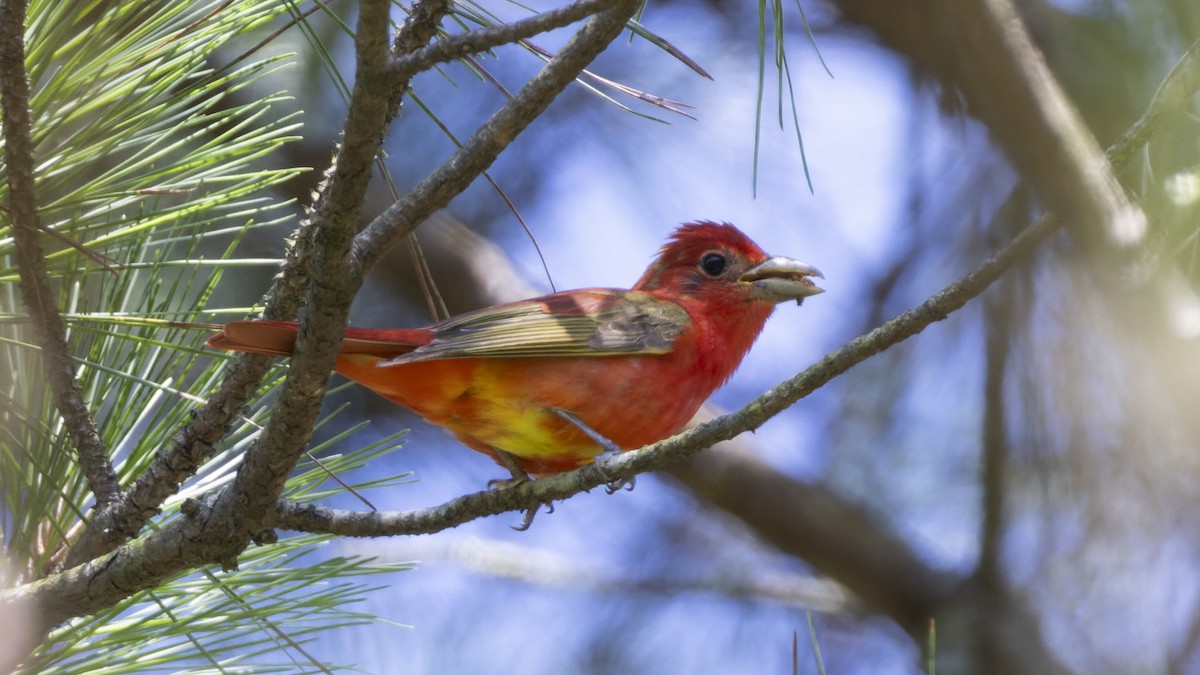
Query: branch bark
x,y
269,462
36,293
483,39
482,148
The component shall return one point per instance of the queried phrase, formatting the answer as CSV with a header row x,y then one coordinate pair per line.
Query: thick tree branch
x,y
36,294
483,39
1006,80
479,151
981,49
323,315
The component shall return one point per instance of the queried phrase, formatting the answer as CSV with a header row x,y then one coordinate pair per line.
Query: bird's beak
x,y
778,279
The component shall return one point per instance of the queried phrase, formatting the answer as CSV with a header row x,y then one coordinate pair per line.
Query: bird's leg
x,y
509,462
610,450
518,476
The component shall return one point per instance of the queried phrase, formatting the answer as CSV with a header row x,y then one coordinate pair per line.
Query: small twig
x,y
652,99
483,39
1179,85
35,288
419,28
338,479
108,263
482,148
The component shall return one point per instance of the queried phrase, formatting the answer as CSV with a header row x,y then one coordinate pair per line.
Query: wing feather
x,y
578,323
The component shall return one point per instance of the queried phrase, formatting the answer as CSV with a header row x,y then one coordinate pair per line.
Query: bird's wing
x,y
597,322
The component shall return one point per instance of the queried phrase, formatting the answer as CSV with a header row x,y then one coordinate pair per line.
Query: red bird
x,y
547,384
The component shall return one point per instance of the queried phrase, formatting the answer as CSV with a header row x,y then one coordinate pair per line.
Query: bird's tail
x,y
278,338
258,337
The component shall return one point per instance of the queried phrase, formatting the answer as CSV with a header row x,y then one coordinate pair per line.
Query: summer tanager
x,y
547,384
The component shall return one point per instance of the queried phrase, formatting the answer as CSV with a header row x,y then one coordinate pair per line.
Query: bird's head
x,y
717,262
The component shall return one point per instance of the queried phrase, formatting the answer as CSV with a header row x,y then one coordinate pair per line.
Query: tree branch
x,y
483,39
34,283
323,315
981,48
1005,77
419,28
479,151
189,449
1179,85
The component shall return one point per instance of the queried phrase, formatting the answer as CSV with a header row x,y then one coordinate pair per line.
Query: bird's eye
x,y
713,264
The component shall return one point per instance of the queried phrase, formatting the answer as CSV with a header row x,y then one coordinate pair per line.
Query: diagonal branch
x,y
1043,132
329,292
36,294
483,39
194,444
479,151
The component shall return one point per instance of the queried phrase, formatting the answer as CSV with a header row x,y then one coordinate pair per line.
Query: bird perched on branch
x,y
548,384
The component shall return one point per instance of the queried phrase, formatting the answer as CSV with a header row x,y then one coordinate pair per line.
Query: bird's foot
x,y
518,476
610,449
612,485
530,513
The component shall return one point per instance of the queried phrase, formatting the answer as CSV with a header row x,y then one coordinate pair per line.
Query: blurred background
x,y
1025,472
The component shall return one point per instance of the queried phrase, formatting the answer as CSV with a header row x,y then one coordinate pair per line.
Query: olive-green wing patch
x,y
580,323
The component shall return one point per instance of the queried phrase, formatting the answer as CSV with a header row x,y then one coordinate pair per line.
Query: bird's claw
x,y
529,515
612,485
518,476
